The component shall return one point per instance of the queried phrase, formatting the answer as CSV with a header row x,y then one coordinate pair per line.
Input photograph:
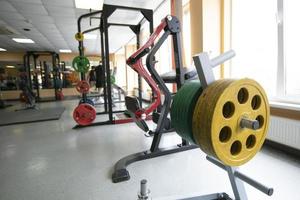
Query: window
x,y
254,39
265,37
186,26
291,39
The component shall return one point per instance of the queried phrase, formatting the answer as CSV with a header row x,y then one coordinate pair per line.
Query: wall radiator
x,y
285,131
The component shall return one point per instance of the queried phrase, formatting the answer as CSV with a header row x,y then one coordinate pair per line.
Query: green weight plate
x,y
112,79
182,109
81,64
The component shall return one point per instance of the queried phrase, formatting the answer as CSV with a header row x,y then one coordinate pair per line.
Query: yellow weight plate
x,y
79,36
217,118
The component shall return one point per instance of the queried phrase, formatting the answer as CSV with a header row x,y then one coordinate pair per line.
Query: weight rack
x,y
204,68
55,62
106,12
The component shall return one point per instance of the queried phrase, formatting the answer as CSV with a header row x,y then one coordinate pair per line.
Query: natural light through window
x,y
292,42
254,38
186,32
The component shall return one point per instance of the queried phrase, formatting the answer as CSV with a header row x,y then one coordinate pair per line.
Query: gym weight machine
x,y
169,26
44,71
204,67
229,119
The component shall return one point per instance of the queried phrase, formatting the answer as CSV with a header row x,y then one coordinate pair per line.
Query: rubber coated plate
x,y
182,109
217,120
83,87
81,64
84,114
79,36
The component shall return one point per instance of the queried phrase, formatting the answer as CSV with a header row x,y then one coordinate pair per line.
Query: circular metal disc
x,y
81,64
79,36
83,87
183,108
217,118
84,114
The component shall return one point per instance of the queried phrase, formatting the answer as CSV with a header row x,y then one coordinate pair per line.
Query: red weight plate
x,y
59,95
84,114
83,87
23,97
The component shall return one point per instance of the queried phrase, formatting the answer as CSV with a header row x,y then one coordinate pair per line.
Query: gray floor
x,y
50,160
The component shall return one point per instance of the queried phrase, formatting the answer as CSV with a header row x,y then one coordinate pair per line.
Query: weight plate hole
x,y
250,142
260,120
228,109
256,101
225,134
236,148
243,95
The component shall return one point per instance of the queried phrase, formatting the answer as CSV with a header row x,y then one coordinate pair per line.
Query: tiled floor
x,y
50,160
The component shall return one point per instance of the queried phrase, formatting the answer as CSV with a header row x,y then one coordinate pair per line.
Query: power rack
x,y
104,15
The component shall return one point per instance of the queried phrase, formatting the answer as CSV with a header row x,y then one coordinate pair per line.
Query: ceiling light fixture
x,y
65,51
90,4
10,66
1,49
23,40
90,36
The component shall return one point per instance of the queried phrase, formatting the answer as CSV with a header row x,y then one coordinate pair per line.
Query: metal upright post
x,y
104,66
237,185
204,67
28,71
36,79
54,77
139,76
107,66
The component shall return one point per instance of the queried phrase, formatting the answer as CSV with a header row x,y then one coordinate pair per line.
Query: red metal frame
x,y
128,120
138,66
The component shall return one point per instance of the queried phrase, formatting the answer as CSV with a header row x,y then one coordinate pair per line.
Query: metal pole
x,y
107,65
243,177
104,66
54,77
36,79
139,76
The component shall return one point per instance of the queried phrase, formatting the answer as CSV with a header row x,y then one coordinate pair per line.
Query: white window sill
x,y
284,105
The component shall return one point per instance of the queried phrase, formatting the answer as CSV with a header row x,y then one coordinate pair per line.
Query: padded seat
x,y
170,77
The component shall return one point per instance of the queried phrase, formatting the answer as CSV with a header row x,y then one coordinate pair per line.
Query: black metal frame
x,y
120,172
35,55
106,12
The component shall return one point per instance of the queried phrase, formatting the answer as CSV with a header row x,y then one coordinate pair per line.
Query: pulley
x,y
231,119
84,114
81,64
83,87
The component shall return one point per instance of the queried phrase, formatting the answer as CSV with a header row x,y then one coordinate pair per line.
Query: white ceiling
x,y
53,24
